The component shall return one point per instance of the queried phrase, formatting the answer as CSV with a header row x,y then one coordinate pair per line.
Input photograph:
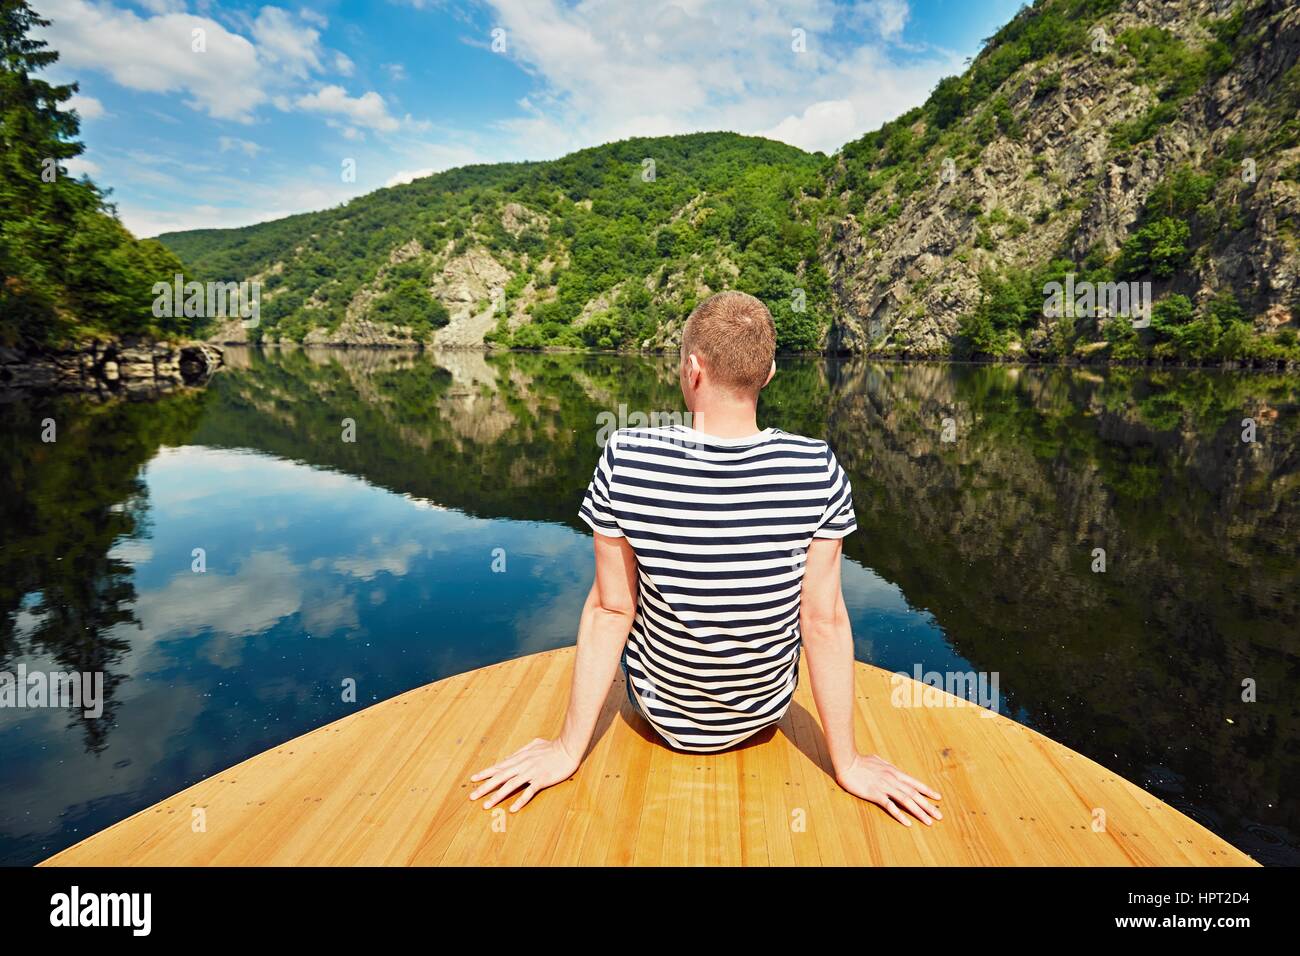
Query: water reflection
x,y
372,560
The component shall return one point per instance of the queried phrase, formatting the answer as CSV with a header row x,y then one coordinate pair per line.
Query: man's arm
x,y
828,642
602,632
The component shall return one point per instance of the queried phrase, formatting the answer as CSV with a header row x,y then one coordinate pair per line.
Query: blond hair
x,y
734,337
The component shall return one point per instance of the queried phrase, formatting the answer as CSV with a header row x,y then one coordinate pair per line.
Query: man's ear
x,y
770,373
693,369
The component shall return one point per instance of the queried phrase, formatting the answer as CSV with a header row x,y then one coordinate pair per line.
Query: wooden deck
x,y
389,785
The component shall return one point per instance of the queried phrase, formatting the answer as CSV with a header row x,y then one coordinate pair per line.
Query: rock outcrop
x,y
356,330
1063,175
109,367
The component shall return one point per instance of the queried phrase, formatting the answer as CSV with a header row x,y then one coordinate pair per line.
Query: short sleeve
x,y
596,508
838,519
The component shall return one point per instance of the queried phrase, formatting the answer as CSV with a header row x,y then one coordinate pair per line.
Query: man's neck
x,y
725,419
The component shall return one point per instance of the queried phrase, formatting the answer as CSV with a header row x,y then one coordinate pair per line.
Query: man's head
x,y
728,344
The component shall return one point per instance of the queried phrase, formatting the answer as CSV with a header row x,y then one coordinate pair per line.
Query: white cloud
x,y
822,126
877,91
265,587
887,16
392,559
606,70
403,176
368,110
79,166
87,107
313,17
232,143
228,79
154,54
396,72
286,42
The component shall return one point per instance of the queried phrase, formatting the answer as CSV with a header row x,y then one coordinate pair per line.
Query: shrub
x,y
1048,85
1184,194
410,304
1158,249
1170,314
1003,309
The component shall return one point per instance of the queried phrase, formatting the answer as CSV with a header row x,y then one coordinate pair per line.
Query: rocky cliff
x,y
1135,141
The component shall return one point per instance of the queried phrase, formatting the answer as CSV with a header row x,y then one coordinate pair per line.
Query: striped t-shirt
x,y
720,528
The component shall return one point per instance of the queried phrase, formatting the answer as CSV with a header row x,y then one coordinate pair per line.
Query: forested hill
x,y
1090,143
68,268
608,247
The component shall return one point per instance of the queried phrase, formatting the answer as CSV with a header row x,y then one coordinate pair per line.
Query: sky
x,y
199,114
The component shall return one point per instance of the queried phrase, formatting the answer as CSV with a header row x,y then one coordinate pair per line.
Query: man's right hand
x,y
536,766
879,781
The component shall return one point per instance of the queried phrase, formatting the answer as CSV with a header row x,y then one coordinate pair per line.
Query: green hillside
x,y
596,249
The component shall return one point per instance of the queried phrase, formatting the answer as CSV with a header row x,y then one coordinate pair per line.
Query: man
x,y
717,555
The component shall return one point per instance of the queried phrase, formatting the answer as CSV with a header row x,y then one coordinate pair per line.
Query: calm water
x,y
373,560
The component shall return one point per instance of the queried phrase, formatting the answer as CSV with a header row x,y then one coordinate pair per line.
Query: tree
x,y
1158,249
66,264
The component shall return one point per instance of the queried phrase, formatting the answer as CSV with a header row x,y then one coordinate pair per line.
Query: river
x,y
232,559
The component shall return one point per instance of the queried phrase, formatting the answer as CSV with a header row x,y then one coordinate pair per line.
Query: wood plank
x,y
389,785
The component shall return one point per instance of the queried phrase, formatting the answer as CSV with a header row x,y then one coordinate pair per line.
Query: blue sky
x,y
261,121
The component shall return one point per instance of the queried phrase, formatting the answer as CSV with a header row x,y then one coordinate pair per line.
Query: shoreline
x,y
141,368
1028,361
108,367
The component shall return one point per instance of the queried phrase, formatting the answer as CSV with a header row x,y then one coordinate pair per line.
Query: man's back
x,y
719,527
709,577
